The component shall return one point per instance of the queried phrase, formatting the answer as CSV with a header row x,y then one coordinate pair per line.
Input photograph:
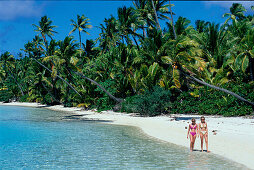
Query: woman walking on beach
x,y
203,130
192,132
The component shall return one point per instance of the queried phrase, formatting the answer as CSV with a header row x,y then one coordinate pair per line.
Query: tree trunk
x,y
172,20
80,43
251,69
102,88
156,17
54,89
58,77
218,88
45,41
144,32
44,86
135,42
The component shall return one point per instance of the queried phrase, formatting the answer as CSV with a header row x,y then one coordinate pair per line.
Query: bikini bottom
x,y
193,133
204,132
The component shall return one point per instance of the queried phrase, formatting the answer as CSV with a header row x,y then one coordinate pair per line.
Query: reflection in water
x,y
38,138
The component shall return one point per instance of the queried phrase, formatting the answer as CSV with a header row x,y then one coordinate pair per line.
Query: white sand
x,y
234,139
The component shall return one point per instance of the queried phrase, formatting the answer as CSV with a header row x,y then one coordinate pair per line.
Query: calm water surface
x,y
32,138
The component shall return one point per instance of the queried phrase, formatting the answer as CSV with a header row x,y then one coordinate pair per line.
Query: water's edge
x,y
73,116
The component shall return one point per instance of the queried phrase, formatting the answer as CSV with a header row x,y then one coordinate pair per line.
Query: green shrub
x,y
151,103
5,95
23,98
214,102
104,103
47,99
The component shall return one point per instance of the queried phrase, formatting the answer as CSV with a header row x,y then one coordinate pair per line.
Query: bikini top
x,y
193,127
202,125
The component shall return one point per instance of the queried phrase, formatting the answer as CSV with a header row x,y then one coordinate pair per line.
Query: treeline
x,y
135,65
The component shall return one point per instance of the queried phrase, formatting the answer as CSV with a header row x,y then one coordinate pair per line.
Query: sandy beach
x,y
233,139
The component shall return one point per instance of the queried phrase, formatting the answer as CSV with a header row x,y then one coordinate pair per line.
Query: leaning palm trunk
x,y
156,17
58,77
219,88
102,88
171,13
80,42
209,85
44,86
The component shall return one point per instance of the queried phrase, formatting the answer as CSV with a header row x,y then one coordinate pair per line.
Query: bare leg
x,y
201,138
194,138
191,141
206,142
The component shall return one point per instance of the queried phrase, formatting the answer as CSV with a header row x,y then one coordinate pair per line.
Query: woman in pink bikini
x,y
203,133
192,132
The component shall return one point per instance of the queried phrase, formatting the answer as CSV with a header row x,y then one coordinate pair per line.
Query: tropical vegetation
x,y
136,65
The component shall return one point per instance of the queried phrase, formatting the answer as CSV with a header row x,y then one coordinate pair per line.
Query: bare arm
x,y
206,129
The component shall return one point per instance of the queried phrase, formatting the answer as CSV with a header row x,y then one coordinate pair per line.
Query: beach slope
x,y
233,137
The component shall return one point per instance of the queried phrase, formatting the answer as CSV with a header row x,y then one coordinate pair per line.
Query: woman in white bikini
x,y
203,130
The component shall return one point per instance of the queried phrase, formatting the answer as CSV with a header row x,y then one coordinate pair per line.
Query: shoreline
x,y
233,139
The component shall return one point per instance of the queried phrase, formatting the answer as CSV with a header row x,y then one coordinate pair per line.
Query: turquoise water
x,y
32,138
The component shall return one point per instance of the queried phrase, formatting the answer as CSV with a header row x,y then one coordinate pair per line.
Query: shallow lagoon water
x,y
36,138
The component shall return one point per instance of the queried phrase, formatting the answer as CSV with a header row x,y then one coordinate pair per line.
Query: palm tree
x,y
124,22
151,11
63,59
7,61
57,76
172,19
45,28
90,51
156,17
109,36
53,63
142,14
82,25
237,10
219,88
127,23
188,70
102,88
159,10
201,26
241,30
182,25
245,58
32,50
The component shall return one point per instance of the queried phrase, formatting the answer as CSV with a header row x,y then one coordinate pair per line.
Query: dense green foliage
x,y
5,95
151,103
135,59
212,102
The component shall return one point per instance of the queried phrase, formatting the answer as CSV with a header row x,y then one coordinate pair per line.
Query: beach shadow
x,y
81,118
97,121
199,150
206,151
73,116
43,106
185,118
